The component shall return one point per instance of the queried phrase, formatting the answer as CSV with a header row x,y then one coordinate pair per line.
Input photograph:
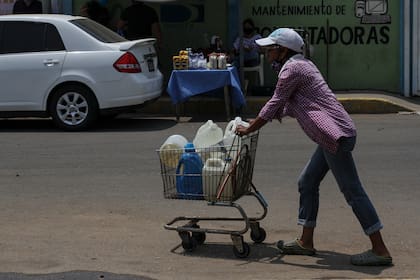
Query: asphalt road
x,y
89,205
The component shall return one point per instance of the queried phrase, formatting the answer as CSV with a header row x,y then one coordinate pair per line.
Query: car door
x,y
31,58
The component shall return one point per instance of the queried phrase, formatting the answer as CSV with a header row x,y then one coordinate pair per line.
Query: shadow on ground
x,y
72,275
121,124
268,253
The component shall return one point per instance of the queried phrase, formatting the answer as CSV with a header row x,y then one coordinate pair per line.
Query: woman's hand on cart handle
x,y
241,130
254,126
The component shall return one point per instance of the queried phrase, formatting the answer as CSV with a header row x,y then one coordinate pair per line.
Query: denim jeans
x,y
344,170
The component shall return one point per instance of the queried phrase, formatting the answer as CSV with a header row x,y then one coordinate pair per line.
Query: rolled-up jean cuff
x,y
305,223
376,227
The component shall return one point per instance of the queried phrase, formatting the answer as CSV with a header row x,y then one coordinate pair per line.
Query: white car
x,y
72,69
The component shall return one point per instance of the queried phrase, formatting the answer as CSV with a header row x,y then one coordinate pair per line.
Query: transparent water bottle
x,y
189,51
221,61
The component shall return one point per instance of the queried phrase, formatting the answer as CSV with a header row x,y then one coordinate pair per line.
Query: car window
x,y
53,41
22,37
98,31
25,36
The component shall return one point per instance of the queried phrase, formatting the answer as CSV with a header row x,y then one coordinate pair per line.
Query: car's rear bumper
x,y
132,92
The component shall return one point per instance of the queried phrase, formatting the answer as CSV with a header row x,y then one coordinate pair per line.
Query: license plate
x,y
151,64
150,61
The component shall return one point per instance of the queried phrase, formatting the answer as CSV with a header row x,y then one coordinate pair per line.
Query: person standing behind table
x,y
302,93
140,21
95,11
216,44
27,7
250,48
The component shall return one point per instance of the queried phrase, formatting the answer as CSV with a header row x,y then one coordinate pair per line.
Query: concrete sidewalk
x,y
378,103
354,102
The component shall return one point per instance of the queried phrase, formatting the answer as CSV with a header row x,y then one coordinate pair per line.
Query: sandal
x,y
294,248
369,258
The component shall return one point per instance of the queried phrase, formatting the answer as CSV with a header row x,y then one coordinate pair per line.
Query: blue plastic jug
x,y
189,183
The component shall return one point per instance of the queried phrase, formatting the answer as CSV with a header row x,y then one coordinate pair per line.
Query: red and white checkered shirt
x,y
302,93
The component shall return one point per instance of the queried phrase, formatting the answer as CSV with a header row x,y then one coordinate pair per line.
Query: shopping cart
x,y
225,175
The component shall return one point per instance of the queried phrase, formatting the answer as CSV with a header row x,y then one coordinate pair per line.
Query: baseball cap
x,y
285,37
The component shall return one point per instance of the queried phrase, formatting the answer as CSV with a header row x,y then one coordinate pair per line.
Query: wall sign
x,y
360,36
369,13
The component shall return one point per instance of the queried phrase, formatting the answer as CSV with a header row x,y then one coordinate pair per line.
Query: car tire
x,y
73,108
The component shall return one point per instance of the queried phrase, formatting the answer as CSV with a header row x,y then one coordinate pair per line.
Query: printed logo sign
x,y
372,11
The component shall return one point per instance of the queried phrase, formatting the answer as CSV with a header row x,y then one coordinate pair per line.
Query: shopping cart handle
x,y
261,198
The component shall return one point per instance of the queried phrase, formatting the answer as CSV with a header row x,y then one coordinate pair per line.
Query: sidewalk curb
x,y
368,105
353,105
197,105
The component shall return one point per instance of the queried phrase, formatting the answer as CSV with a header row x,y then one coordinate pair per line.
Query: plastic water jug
x,y
230,131
189,182
214,172
207,135
171,150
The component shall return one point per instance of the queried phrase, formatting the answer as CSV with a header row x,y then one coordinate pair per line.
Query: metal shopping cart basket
x,y
220,175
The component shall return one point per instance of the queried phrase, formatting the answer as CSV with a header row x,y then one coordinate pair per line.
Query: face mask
x,y
276,66
248,30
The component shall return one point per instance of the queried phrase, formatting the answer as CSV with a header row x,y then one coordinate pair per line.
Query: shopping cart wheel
x,y
188,242
240,248
258,235
199,237
243,253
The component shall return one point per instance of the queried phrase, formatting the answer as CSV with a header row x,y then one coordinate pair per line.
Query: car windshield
x,y
98,31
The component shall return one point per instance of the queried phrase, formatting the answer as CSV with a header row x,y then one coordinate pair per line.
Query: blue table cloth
x,y
186,83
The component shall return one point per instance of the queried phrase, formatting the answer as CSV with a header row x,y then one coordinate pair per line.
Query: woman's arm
x,y
254,126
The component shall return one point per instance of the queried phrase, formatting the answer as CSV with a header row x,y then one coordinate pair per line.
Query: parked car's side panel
x,y
93,69
33,73
33,60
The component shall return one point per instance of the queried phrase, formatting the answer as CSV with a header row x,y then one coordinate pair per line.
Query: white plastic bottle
x,y
208,134
171,150
214,172
230,131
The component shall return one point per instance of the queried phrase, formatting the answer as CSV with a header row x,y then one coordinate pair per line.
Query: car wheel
x,y
73,108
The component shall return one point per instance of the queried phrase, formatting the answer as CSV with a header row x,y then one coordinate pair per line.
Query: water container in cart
x,y
230,132
171,150
207,135
214,173
189,182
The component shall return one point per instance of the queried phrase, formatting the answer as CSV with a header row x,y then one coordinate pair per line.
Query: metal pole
x,y
241,49
328,50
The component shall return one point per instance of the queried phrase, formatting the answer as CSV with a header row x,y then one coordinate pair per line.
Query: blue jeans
x,y
344,170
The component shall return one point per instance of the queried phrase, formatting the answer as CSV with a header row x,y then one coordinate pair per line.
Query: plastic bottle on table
x,y
189,53
221,62
212,61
